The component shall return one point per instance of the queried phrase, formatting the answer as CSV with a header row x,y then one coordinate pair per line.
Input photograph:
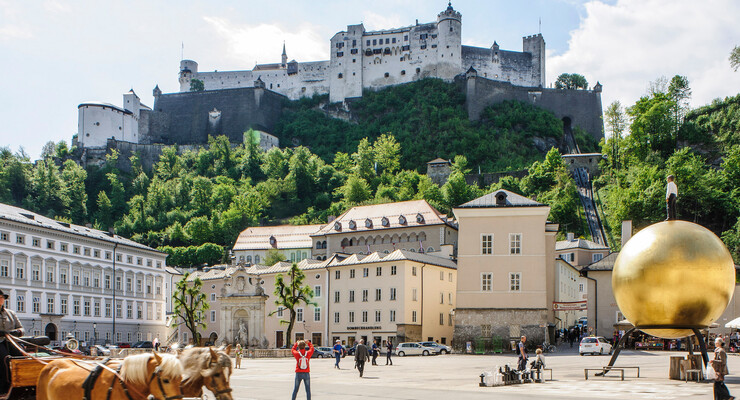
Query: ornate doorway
x,y
51,331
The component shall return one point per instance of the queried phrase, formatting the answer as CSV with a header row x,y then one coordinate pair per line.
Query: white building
x,y
97,122
63,278
293,241
363,59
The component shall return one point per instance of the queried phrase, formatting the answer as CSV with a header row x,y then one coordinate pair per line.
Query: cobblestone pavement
x,y
455,377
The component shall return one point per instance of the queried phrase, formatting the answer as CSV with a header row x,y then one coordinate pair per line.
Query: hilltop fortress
x,y
233,102
363,59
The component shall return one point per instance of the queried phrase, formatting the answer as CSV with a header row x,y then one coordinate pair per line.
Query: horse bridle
x,y
161,386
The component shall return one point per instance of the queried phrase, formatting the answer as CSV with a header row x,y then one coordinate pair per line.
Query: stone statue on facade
x,y
242,337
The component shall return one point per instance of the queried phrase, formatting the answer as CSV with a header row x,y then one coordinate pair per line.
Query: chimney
x,y
571,236
331,219
626,231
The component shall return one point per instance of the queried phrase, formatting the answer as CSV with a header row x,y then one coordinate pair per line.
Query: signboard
x,y
364,328
569,305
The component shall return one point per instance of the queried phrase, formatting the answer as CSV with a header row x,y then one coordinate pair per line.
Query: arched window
x,y
256,259
345,242
430,250
323,246
249,259
318,245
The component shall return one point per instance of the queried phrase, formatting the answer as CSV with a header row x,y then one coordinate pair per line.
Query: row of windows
x,y
88,279
515,243
364,316
366,272
515,281
86,251
86,307
571,257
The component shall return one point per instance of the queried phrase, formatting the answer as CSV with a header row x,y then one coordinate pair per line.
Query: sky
x,y
55,54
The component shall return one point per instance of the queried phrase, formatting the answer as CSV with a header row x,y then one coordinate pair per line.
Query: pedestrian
x,y
522,350
389,347
720,368
338,350
302,351
671,193
361,355
537,365
376,351
9,325
238,351
155,343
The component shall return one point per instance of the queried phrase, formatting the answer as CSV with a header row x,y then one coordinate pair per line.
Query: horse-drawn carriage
x,y
45,374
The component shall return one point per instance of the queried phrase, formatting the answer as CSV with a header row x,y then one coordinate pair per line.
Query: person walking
x,y
337,350
9,325
720,368
155,343
522,350
302,351
389,348
376,351
671,194
238,351
361,355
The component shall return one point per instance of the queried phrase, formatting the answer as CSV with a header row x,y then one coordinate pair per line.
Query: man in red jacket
x,y
302,351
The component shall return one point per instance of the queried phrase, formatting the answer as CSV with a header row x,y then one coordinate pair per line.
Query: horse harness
x,y
89,382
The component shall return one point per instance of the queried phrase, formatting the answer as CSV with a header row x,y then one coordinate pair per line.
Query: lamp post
x,y
95,333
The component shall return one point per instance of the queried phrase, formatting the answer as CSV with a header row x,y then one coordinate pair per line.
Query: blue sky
x,y
57,54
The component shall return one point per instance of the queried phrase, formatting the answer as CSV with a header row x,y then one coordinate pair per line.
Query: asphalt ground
x,y
456,377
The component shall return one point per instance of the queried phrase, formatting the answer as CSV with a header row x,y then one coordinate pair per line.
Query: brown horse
x,y
141,376
205,367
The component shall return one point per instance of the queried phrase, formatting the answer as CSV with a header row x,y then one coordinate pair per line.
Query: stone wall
x,y
508,323
188,118
581,108
408,333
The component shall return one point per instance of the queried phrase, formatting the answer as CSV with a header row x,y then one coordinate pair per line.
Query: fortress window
x,y
387,41
434,36
340,54
418,70
387,75
368,52
340,45
393,40
368,42
423,36
450,29
375,41
119,128
354,42
406,38
353,51
97,124
423,46
339,76
434,46
377,51
403,71
405,48
271,86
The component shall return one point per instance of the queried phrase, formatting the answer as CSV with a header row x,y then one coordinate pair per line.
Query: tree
x,y
355,190
49,150
735,58
387,153
615,122
197,85
290,295
105,210
190,306
273,257
680,92
571,81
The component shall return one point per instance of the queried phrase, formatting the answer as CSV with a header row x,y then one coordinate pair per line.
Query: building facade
x,y
361,59
580,252
68,279
506,269
413,226
293,241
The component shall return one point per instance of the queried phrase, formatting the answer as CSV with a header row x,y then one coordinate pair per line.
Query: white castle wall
x,y
376,59
96,122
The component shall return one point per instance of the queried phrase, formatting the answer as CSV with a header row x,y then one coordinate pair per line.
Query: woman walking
x,y
720,367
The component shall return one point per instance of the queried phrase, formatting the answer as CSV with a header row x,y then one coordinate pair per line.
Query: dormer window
x,y
337,226
402,220
419,218
273,241
368,223
385,222
352,224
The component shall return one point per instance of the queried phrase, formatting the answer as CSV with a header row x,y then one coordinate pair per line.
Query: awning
x,y
623,324
735,324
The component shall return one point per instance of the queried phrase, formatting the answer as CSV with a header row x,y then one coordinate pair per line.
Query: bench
x,y
603,370
698,373
607,368
540,372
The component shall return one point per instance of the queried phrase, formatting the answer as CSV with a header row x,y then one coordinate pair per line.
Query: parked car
x,y
102,350
123,345
411,349
594,345
143,345
323,352
438,348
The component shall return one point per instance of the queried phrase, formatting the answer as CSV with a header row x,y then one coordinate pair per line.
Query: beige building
x,y
402,295
570,294
413,225
603,311
580,252
294,241
506,268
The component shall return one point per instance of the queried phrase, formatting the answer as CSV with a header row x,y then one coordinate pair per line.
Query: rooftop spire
x,y
284,48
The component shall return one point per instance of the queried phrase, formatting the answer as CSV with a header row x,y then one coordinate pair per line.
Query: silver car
x,y
438,348
413,349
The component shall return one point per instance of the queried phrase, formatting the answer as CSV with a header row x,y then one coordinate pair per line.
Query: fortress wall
x,y
183,118
583,107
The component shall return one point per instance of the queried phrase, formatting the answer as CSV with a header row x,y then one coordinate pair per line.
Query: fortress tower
x,y
449,26
535,45
188,69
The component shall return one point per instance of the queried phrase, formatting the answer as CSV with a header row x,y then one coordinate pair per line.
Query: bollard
x,y
482,383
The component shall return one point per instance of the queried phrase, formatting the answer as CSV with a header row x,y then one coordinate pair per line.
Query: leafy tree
x,y
105,210
290,295
456,191
735,58
387,153
571,81
47,189
197,85
355,190
190,305
731,238
273,256
48,150
616,123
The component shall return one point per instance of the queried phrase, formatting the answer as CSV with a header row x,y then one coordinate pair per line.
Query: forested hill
x,y
429,120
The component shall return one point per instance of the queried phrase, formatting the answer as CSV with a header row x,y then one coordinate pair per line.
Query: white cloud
x,y
263,43
374,21
14,32
632,42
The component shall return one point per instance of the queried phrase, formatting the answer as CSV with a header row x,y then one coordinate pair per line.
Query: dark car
x,y
143,345
323,352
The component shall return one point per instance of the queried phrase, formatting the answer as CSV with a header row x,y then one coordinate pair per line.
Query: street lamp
x,y
95,333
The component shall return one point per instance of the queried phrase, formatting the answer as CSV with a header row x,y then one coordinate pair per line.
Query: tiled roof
x,y
512,200
385,216
286,237
222,271
439,160
16,214
605,264
579,244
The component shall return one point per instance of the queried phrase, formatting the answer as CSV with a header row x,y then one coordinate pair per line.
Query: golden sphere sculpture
x,y
673,274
